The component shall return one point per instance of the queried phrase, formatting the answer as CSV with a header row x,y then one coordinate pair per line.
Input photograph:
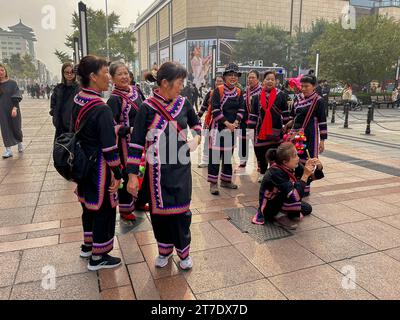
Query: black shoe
x,y
86,251
106,262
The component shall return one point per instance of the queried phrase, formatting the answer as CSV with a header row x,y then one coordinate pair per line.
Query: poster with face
x,y
200,61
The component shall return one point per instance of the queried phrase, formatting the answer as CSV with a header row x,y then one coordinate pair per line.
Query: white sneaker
x,y
162,261
20,147
186,264
260,178
202,165
7,154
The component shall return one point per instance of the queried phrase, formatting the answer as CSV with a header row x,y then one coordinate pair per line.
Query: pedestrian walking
x,y
10,114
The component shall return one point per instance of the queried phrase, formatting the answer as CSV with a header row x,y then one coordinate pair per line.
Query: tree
x,y
121,42
21,67
62,56
262,42
304,40
369,52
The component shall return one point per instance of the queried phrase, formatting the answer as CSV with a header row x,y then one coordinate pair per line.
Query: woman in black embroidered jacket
x,y
161,129
268,115
125,102
98,193
283,187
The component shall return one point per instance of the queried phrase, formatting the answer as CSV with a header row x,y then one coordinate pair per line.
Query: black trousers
x,y
99,227
243,144
216,157
261,154
306,210
172,231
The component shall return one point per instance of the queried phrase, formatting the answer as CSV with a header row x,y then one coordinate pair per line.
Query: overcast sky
x,y
30,11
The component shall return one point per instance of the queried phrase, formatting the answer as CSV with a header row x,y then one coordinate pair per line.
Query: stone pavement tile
x,y
230,232
5,293
142,282
373,207
377,273
174,288
13,237
256,290
331,244
113,278
29,227
204,217
216,203
390,198
28,244
337,213
120,293
394,221
219,268
73,287
20,188
202,194
63,257
311,222
204,237
373,232
32,162
57,212
150,252
71,237
58,184
317,283
18,200
278,256
9,263
394,253
23,178
46,233
54,197
16,216
130,249
145,237
71,222
28,170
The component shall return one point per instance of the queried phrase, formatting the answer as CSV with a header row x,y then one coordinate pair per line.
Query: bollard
x,y
346,113
333,112
373,111
369,119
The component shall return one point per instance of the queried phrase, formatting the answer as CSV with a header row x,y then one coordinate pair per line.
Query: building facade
x,y
186,30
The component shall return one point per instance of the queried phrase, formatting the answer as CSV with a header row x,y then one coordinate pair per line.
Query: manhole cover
x,y
241,219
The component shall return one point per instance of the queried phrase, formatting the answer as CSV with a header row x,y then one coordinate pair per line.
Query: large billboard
x,y
200,61
179,53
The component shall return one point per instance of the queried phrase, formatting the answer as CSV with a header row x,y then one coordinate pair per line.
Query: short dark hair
x,y
269,72
169,71
309,79
115,65
88,65
283,153
255,72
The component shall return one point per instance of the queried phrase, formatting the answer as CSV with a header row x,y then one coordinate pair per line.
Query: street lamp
x,y
76,50
107,34
317,64
83,29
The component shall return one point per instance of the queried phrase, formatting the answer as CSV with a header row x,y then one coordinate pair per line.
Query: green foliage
x,y
121,42
21,67
63,56
369,52
262,42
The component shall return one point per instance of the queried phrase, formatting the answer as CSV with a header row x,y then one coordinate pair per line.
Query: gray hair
x,y
115,65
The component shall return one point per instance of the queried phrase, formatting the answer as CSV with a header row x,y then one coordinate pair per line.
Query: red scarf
x,y
266,127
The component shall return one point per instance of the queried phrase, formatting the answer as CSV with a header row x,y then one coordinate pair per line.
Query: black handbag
x,y
70,160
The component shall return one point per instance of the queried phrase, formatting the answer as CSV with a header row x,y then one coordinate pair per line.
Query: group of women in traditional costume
x,y
129,140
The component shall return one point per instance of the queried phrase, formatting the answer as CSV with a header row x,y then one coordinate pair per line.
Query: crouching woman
x,y
283,187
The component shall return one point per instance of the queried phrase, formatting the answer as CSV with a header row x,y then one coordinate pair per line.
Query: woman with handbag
x,y
161,130
125,102
98,191
309,121
269,112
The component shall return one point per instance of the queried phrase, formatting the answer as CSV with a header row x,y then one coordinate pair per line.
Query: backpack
x,y
69,158
208,119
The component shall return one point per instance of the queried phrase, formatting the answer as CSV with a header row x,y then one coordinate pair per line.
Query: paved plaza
x,y
354,229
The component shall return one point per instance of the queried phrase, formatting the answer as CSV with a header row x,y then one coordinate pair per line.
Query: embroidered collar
x,y
158,95
91,91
